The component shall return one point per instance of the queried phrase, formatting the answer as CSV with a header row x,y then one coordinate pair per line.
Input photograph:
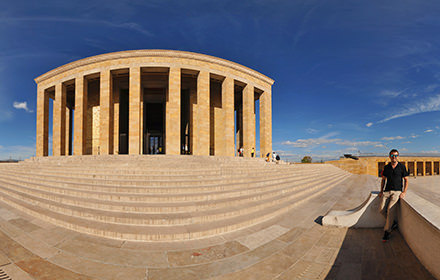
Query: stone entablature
x,y
417,166
205,103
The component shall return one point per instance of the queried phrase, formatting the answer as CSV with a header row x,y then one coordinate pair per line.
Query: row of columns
x,y
433,167
200,115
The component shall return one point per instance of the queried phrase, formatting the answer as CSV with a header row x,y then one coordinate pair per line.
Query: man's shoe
x,y
386,236
394,226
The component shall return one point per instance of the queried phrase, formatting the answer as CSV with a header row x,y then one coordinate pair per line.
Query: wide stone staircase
x,y
160,198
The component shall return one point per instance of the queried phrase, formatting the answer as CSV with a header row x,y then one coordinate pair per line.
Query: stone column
x,y
42,122
172,118
116,122
201,131
265,122
217,123
424,168
59,121
192,117
68,130
228,116
80,116
106,113
239,129
248,120
134,130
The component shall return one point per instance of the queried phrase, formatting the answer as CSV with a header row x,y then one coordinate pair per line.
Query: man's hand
x,y
402,195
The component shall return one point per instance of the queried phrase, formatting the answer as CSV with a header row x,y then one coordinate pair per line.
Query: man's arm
x,y
405,187
382,185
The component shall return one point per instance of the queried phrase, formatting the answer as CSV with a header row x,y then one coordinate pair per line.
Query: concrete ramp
x,y
364,216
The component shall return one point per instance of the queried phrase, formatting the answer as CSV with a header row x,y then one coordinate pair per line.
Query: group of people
x,y
272,157
240,152
269,156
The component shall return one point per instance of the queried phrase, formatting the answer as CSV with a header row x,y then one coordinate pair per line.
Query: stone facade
x,y
417,166
153,101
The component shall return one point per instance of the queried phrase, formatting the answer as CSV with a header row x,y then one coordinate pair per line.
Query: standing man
x,y
393,175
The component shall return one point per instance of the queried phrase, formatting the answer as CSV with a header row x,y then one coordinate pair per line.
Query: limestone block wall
x,y
417,166
95,84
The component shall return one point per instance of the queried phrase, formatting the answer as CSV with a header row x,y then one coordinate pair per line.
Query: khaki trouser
x,y
388,207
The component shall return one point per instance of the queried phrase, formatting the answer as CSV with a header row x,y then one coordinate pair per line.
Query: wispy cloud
x,y
22,105
428,130
431,104
391,138
126,25
311,130
313,142
305,143
391,93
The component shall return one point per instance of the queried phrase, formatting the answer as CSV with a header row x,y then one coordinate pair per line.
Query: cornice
x,y
153,53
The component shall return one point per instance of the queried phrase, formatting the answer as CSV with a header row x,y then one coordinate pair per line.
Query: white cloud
x,y
393,138
369,124
428,130
359,143
22,105
311,131
305,143
313,142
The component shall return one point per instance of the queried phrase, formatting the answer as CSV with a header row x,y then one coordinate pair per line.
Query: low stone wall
x,y
419,223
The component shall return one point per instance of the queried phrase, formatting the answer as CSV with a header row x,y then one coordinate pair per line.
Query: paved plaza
x,y
292,245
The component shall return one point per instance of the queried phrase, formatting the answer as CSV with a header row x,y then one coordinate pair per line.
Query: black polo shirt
x,y
394,176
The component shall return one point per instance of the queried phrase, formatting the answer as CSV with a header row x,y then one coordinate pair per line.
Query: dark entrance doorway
x,y
154,128
123,121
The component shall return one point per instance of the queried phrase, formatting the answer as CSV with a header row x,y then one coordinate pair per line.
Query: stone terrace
x,y
187,217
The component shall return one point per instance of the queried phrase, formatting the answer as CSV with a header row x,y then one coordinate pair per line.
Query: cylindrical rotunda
x,y
153,101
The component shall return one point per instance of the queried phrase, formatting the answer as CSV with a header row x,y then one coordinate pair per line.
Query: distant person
x,y
392,176
268,157
241,151
252,152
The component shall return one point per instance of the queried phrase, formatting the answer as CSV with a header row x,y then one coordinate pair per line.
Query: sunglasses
x,y
394,155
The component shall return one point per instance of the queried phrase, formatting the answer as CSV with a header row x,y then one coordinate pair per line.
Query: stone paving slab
x,y
292,246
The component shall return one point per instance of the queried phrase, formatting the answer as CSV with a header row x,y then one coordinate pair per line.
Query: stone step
x,y
149,171
163,233
234,207
168,204
115,179
147,187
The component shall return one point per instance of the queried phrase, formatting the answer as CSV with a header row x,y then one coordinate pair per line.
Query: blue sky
x,y
350,76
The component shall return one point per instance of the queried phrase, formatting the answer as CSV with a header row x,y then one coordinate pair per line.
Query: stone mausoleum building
x,y
153,101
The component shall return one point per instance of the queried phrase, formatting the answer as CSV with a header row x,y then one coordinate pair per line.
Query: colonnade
x,y
204,112
418,167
